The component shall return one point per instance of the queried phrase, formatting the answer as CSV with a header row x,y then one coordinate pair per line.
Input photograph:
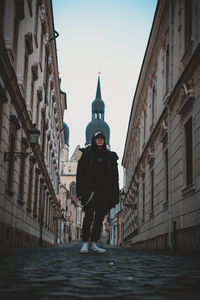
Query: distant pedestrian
x,y
97,188
69,238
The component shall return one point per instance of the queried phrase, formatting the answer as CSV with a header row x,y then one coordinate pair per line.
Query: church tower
x,y
97,123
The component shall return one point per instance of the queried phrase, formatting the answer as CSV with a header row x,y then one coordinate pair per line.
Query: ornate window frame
x,y
22,167
185,110
14,126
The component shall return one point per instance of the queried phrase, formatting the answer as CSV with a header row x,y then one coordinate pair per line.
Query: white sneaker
x,y
84,248
95,248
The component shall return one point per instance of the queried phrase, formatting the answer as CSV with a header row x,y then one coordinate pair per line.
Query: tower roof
x,y
98,106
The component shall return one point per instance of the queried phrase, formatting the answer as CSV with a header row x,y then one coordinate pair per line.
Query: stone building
x,y
162,149
64,195
30,98
73,210
116,224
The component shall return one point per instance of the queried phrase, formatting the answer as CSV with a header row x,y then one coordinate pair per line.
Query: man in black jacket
x,y
97,188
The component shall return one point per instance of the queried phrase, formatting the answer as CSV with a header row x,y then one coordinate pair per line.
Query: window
x,y
32,93
26,59
1,108
152,190
16,31
30,185
166,175
45,78
24,146
72,189
49,215
46,210
59,153
35,203
2,15
41,51
143,200
30,7
38,112
153,104
11,162
41,201
167,68
14,126
36,22
145,119
43,132
139,142
189,152
188,22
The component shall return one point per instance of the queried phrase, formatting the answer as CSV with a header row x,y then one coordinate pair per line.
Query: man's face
x,y
99,140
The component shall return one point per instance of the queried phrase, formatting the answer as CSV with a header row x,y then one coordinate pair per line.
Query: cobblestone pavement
x,y
63,273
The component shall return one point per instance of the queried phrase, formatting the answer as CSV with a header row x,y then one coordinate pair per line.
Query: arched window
x,y
72,188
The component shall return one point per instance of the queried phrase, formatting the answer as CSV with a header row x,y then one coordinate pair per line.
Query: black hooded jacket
x,y
93,176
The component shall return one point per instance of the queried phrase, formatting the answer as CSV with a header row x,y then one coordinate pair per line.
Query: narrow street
x,y
63,273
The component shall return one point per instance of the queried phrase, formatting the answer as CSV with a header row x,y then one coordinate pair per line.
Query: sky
x,y
106,36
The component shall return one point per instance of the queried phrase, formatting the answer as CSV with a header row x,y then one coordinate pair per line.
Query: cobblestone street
x,y
63,273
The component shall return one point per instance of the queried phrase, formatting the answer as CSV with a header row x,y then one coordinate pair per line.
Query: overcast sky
x,y
107,36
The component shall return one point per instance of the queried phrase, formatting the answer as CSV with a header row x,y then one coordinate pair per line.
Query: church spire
x,y
98,106
97,123
98,93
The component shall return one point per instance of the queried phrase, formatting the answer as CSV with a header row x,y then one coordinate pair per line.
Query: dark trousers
x,y
94,213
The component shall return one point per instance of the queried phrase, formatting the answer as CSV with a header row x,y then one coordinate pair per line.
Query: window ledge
x,y
188,189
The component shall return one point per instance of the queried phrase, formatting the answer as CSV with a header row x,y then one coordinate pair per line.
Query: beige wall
x,y
26,98
146,223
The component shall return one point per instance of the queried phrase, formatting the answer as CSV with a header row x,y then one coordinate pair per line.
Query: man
x,y
97,188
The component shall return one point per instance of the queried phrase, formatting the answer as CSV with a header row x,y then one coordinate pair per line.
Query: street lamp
x,y
33,136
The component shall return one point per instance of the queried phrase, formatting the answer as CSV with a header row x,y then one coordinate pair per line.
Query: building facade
x,y
116,223
30,96
73,210
162,150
